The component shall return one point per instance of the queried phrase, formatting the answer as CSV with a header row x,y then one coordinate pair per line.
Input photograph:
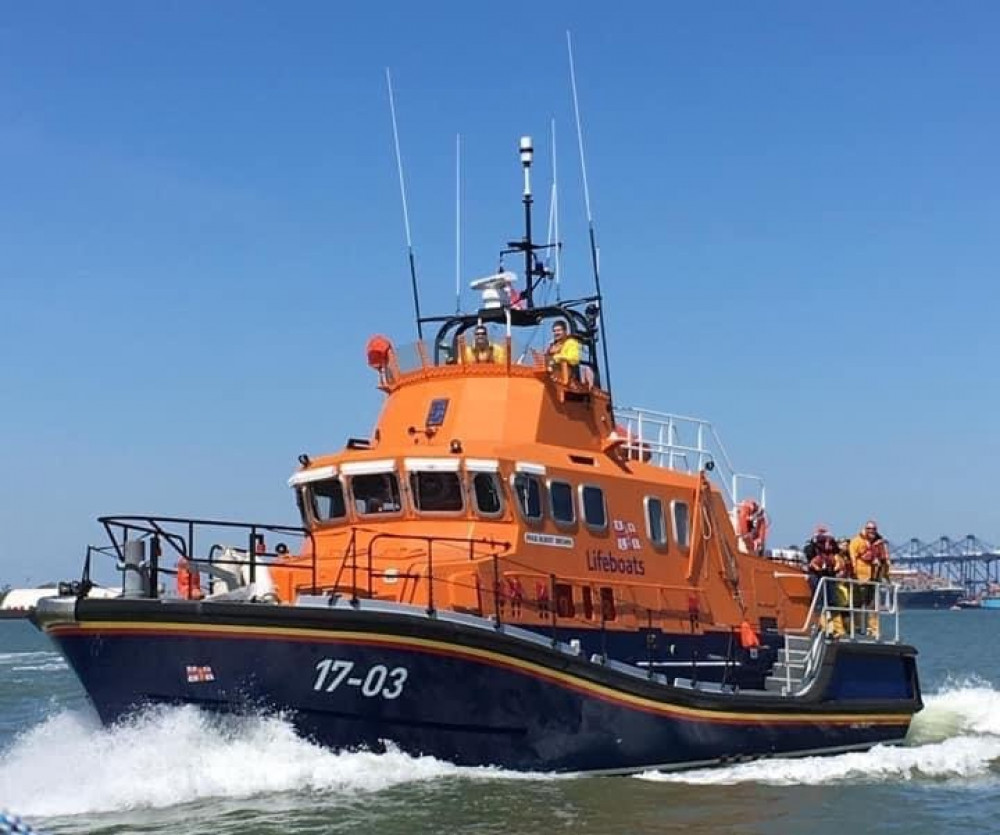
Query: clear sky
x,y
797,204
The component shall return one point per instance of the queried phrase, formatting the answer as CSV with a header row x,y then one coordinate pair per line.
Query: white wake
x,y
955,736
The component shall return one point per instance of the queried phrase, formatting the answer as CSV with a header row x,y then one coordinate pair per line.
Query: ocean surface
x,y
177,771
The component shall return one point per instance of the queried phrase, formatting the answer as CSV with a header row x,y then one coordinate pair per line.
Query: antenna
x,y
553,240
406,214
590,217
458,223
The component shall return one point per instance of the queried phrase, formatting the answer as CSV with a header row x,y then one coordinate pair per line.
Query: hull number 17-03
x,y
331,673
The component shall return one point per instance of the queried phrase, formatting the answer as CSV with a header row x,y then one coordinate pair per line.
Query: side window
x,y
486,491
656,522
682,532
436,492
528,492
588,602
561,502
326,498
376,493
594,512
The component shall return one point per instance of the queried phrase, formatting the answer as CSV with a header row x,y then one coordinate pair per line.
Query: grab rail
x,y
884,603
678,442
179,533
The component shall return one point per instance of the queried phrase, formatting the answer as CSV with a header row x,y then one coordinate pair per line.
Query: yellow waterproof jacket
x,y
870,559
495,353
568,352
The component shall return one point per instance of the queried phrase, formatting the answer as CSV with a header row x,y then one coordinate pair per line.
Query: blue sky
x,y
797,206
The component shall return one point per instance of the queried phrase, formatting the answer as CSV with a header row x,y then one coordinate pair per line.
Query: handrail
x,y
821,611
427,540
657,437
183,544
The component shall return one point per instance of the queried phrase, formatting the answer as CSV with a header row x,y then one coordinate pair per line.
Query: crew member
x,y
870,558
753,527
843,571
812,547
822,563
482,350
563,351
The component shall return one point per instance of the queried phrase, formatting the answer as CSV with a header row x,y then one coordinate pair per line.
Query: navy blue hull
x,y
470,696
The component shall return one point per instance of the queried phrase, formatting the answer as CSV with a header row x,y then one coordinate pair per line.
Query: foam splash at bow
x,y
956,736
70,765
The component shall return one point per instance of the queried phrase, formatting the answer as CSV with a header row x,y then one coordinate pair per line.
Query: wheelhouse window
x,y
595,512
528,493
561,502
326,499
682,526
487,495
656,522
376,493
435,492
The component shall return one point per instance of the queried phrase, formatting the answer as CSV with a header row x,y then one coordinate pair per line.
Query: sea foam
x,y
955,736
70,765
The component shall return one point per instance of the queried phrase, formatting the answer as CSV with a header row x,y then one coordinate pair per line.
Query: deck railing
x,y
859,606
141,545
687,444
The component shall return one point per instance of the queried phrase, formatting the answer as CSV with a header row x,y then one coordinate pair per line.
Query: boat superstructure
x,y
507,569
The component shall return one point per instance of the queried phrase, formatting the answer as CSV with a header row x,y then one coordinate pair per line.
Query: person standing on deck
x,y
870,558
843,597
823,564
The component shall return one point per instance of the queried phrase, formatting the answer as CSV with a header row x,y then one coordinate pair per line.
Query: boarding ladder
x,y
799,660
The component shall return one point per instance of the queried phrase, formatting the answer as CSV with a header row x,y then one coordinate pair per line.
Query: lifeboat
x,y
511,569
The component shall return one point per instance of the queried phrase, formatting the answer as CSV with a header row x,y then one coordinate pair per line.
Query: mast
x,y
527,152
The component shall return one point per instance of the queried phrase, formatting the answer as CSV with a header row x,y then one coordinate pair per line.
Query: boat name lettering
x,y
551,540
378,681
598,560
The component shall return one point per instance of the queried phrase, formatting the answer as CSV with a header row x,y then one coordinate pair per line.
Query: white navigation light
x,y
527,150
495,289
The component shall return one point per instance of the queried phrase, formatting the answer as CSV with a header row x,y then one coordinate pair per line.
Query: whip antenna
x,y
406,213
458,223
594,259
553,241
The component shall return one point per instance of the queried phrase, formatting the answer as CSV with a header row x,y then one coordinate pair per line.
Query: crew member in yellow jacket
x,y
482,350
870,559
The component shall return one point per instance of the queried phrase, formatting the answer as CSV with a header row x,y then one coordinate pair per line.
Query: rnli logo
x,y
196,675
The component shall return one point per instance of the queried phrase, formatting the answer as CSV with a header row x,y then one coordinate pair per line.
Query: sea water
x,y
177,770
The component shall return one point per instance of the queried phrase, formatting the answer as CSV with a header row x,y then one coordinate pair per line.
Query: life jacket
x,y
748,637
491,354
871,559
751,526
824,564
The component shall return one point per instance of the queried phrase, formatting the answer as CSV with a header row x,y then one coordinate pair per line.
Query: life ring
x,y
634,448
